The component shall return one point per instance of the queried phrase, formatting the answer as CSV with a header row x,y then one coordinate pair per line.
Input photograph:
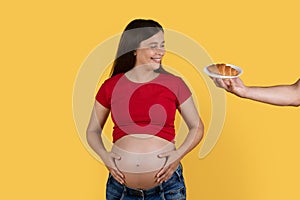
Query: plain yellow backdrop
x,y
43,44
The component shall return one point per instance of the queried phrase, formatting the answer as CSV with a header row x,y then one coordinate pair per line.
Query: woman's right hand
x,y
109,161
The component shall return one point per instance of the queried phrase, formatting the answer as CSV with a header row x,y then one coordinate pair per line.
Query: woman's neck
x,y
141,75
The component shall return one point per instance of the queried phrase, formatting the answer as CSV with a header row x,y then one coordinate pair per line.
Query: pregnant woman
x,y
142,99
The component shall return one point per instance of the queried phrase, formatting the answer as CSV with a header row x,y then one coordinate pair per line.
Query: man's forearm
x,y
283,95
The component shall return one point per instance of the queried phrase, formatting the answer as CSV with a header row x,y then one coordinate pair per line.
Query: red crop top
x,y
147,108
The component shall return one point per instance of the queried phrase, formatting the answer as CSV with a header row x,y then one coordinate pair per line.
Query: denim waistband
x,y
143,193
148,192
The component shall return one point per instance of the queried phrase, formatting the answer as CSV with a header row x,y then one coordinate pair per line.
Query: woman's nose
x,y
160,51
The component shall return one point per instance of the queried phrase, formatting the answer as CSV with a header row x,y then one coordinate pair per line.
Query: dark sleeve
x,y
103,95
183,92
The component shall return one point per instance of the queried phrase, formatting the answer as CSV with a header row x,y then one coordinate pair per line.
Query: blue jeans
x,y
172,189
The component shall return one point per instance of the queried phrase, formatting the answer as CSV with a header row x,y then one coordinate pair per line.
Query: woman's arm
x,y
191,117
194,136
98,118
282,95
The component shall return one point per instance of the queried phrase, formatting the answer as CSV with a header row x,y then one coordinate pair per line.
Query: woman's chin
x,y
155,66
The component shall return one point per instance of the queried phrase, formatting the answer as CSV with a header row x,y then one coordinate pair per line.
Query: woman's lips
x,y
157,60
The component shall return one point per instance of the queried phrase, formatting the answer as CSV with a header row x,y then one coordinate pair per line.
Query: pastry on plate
x,y
222,69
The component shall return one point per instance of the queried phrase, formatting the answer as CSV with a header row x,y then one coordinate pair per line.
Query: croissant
x,y
222,69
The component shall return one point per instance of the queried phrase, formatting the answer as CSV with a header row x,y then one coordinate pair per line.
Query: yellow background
x,y
43,44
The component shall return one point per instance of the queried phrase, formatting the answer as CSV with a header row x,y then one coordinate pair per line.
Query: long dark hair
x,y
135,32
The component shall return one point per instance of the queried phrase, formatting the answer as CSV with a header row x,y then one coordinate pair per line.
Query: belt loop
x,y
177,172
161,188
141,192
180,167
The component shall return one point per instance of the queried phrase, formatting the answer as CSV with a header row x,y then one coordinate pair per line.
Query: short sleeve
x,y
103,95
183,92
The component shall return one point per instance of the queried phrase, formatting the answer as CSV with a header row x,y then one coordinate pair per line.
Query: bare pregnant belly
x,y
139,159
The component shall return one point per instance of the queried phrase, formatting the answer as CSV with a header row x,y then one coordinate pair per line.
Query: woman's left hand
x,y
173,160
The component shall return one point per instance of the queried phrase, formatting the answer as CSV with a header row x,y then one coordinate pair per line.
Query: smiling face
x,y
151,51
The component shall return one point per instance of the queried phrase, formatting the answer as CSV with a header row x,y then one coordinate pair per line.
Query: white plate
x,y
222,76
